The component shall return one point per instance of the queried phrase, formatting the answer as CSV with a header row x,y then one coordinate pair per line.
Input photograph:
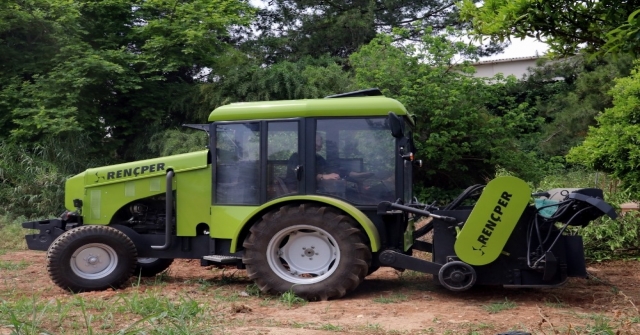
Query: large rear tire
x,y
316,251
375,264
91,258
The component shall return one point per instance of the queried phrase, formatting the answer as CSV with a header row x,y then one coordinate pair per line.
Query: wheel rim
x,y
146,260
94,261
303,254
457,276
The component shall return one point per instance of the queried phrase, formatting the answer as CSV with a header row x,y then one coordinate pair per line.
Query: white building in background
x,y
516,66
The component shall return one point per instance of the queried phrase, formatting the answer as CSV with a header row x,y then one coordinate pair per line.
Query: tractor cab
x,y
356,160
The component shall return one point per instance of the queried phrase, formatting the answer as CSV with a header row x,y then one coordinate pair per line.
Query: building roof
x,y
507,60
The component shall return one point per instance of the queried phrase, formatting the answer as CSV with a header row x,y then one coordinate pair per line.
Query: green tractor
x,y
310,196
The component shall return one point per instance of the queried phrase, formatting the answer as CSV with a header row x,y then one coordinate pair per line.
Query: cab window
x,y
237,163
355,160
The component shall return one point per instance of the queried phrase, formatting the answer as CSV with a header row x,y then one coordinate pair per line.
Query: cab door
x,y
284,171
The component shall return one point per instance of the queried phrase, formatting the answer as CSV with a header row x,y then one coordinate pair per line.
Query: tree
x,y
107,68
291,29
625,38
614,145
567,26
567,94
461,140
248,80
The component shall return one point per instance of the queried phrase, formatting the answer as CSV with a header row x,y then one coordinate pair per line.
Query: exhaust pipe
x,y
168,213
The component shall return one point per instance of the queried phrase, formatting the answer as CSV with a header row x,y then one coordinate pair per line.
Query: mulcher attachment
x,y
502,239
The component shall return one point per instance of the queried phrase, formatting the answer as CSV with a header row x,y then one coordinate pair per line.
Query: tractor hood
x,y
76,185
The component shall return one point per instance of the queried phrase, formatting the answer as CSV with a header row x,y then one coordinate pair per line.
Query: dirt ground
x,y
387,302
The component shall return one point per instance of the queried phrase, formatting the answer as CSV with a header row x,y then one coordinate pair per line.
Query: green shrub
x,y
32,178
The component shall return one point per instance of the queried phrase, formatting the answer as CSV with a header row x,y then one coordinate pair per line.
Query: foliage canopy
x,y
461,139
293,29
566,26
105,68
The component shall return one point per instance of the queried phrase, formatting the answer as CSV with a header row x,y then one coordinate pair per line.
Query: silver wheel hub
x,y
94,261
303,254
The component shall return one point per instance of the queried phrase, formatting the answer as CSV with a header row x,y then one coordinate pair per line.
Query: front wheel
x,y
315,251
91,258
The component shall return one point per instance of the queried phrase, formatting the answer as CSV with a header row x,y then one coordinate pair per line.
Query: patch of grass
x,y
156,305
126,313
555,304
12,266
601,326
391,299
229,279
330,327
139,304
204,284
13,234
497,307
266,302
88,318
477,328
326,309
24,315
372,327
220,295
253,290
290,299
411,275
415,280
163,277
295,324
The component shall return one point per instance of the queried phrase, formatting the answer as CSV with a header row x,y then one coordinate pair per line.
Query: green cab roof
x,y
282,109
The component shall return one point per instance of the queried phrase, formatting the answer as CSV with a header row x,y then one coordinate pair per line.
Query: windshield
x,y
355,159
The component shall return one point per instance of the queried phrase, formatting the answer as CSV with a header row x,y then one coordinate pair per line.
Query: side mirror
x,y
396,125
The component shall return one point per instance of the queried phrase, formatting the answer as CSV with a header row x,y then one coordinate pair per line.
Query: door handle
x,y
299,170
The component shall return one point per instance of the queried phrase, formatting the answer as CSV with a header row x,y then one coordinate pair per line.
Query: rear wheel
x,y
91,258
149,267
315,251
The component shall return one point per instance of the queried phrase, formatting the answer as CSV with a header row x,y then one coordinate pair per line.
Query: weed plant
x,y
290,299
391,299
497,307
